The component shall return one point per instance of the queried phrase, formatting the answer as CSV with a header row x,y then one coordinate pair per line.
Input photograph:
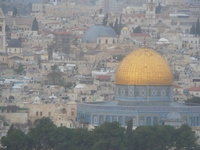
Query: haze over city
x,y
100,74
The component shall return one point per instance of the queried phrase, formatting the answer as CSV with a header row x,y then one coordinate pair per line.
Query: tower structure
x,y
2,32
150,12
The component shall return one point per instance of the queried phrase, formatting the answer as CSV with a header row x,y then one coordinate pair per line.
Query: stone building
x,y
60,114
2,32
63,41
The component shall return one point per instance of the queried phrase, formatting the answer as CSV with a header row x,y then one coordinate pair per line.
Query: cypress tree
x,y
129,133
15,12
192,30
35,25
105,20
197,28
116,27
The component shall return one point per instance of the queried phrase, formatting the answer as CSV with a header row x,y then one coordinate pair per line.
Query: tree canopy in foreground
x,y
108,136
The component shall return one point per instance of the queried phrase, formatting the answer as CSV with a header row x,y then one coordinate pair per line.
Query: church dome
x,y
125,28
144,66
14,43
96,31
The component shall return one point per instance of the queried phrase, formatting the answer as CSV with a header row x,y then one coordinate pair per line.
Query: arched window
x,y
94,119
72,112
101,119
127,119
99,40
114,119
135,20
107,118
155,121
141,121
120,120
148,121
0,28
106,41
113,41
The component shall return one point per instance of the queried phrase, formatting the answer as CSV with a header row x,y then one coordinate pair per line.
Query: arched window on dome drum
x,y
106,41
94,119
99,40
155,121
134,121
127,119
113,41
185,120
101,119
197,119
141,121
114,118
107,118
148,121
120,120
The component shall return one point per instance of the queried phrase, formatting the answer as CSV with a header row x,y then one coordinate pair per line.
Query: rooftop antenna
x,y
145,43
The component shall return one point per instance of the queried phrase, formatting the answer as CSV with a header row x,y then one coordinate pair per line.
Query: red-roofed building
x,y
178,88
179,97
195,91
103,79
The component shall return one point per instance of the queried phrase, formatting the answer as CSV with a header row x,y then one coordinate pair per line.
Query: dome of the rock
x,y
144,66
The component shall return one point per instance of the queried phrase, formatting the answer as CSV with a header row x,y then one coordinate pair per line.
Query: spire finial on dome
x,y
145,44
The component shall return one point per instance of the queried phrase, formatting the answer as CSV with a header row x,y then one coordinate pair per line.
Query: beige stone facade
x,y
60,114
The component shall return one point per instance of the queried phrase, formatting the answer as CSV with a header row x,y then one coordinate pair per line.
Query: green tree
x,y
118,57
109,136
129,134
185,138
120,24
194,99
35,26
20,69
62,138
158,9
55,77
15,12
198,27
16,140
4,8
42,134
82,139
193,29
137,30
116,27
10,130
105,20
151,138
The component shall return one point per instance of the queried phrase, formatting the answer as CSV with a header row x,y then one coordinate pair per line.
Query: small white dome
x,y
174,116
163,40
37,98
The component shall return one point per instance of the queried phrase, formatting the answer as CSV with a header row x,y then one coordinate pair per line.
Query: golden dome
x,y
124,28
144,66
